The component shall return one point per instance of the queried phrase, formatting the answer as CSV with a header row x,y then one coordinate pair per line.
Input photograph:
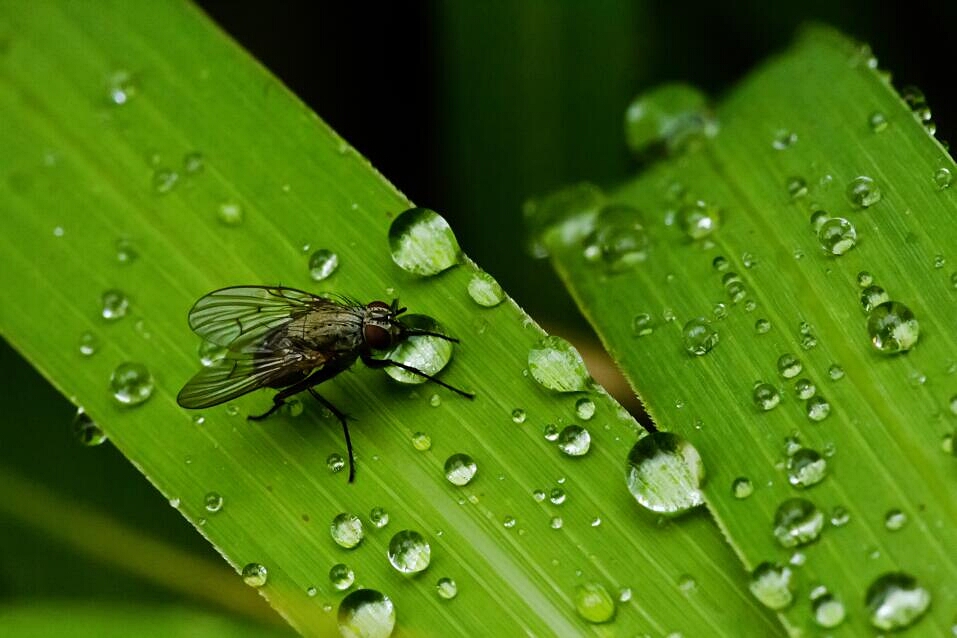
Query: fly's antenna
x,y
415,332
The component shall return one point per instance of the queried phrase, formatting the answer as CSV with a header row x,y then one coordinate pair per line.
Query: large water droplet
x,y
556,365
86,431
484,290
341,576
664,473
806,467
699,336
408,552
426,353
797,522
346,530
115,304
594,603
131,383
771,585
422,242
863,192
892,327
366,613
672,117
255,575
895,600
460,469
574,440
322,264
837,236
567,214
619,239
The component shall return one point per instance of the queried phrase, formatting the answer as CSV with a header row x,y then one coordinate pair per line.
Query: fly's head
x,y
382,330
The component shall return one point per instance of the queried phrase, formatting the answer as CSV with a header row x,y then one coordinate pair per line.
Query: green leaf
x,y
143,128
794,138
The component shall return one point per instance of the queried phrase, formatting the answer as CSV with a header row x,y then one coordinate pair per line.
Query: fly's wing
x,y
243,315
243,370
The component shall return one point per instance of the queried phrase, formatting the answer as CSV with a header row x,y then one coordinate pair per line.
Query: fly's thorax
x,y
338,330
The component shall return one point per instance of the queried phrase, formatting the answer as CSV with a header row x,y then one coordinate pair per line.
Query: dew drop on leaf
x,y
422,242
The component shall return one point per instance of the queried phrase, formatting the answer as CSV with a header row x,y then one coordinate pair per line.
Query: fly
x,y
292,341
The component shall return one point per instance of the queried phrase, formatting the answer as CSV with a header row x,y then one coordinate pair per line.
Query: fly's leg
x,y
344,420
385,363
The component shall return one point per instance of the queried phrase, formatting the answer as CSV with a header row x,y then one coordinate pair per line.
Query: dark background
x,y
468,108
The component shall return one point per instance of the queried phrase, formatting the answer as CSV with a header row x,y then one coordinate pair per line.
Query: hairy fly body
x,y
291,340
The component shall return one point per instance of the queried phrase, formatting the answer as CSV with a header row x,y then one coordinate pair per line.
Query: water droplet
x,y
784,139
557,496
422,242
699,219
426,353
211,353
862,192
421,441
255,574
943,178
687,584
789,366
892,327
619,239
765,396
550,432
762,326
538,495
193,163
895,600
230,214
673,117
864,279
322,264
346,530
131,383
409,553
120,87
556,365
574,440
594,603
213,502
939,262
89,344
366,613
828,611
771,585
877,121
806,467
311,592
699,336
446,588
837,236
484,290
642,325
335,463
125,252
86,431
379,517
568,213
665,473
460,469
518,415
797,522
164,180
742,488
341,576
840,516
797,187
895,520
556,522
817,408
115,303
584,408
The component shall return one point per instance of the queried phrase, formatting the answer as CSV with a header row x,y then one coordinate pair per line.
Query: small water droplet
x,y
341,576
594,603
835,372
311,592
699,337
699,219
895,520
446,588
837,236
783,139
789,366
877,121
255,575
665,473
828,611
557,496
421,441
864,279
230,214
409,552
672,117
642,325
213,502
115,304
422,242
346,530
806,467
771,585
193,163
379,517
804,388
89,344
426,353
335,463
366,613
797,187
555,364
460,469
892,327
742,488
720,263
873,296
322,263
86,431
817,408
840,516
687,584
120,87
797,522
895,600
619,240
131,383
943,178
556,522
762,326
164,180
125,252
574,440
863,192
550,432
584,408
518,415
211,353
765,396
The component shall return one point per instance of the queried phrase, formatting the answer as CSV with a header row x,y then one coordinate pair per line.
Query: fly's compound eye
x,y
377,337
